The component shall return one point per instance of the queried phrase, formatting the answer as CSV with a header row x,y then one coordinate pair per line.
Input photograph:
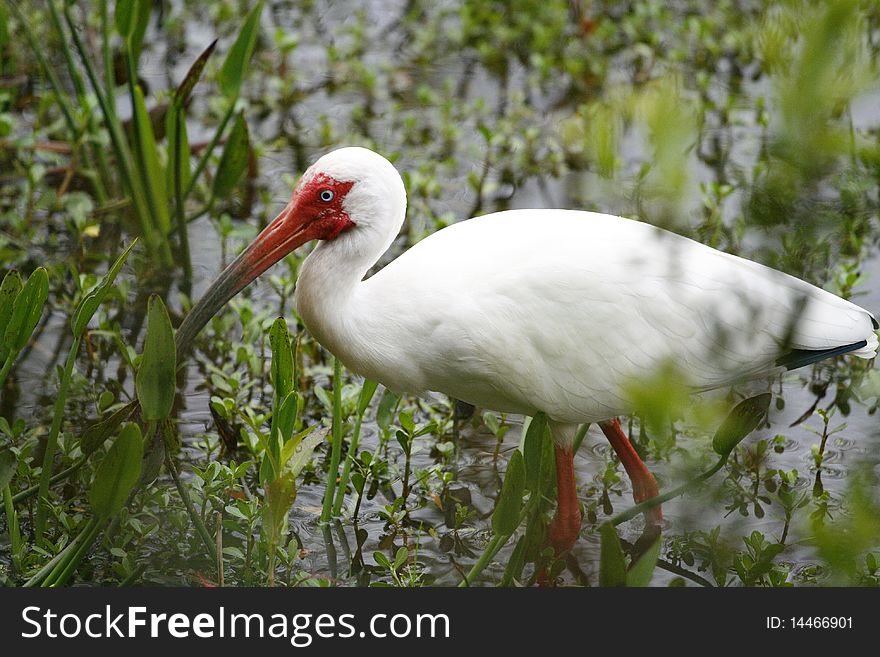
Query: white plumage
x,y
550,310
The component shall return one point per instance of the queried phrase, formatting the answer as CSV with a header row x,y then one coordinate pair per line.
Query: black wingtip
x,y
874,322
803,357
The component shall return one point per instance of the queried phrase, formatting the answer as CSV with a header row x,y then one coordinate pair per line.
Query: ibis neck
x,y
327,293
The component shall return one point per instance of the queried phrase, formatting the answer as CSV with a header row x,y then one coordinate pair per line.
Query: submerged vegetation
x,y
143,143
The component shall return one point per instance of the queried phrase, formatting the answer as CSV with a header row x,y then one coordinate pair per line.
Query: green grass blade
x,y
52,443
336,448
151,171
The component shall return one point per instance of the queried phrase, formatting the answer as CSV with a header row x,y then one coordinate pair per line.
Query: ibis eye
x,y
326,195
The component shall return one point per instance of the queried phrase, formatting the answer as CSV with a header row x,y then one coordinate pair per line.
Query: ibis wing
x,y
559,311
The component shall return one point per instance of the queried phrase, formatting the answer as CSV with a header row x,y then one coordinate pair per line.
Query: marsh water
x,y
291,136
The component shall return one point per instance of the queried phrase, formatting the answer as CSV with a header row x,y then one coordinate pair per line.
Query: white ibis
x,y
533,310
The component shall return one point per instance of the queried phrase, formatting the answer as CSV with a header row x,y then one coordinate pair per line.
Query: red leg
x,y
643,482
566,523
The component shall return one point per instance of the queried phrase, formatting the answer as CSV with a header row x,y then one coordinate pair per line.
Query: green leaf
x,y
181,152
154,453
642,570
281,374
612,565
401,557
235,65
152,173
505,518
513,570
8,465
131,18
286,418
234,159
297,451
9,290
740,422
26,310
382,560
184,89
367,392
155,380
142,19
88,305
124,17
406,421
532,450
405,441
95,435
118,472
385,412
280,496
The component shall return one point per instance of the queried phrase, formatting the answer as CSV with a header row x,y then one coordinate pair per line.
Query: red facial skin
x,y
310,215
328,218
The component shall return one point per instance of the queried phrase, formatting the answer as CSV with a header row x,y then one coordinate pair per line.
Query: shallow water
x,y
328,551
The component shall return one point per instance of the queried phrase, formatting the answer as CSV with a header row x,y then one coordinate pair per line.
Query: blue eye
x,y
326,195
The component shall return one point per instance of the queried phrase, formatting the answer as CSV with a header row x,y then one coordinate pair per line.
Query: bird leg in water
x,y
643,482
566,523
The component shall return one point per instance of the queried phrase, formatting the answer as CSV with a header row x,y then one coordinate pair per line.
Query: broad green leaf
x,y
297,452
153,173
184,89
26,310
400,557
88,305
132,18
9,290
124,17
740,422
642,570
234,160
8,465
155,380
381,559
505,518
282,359
235,65
385,412
280,496
406,422
532,450
118,472
612,565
